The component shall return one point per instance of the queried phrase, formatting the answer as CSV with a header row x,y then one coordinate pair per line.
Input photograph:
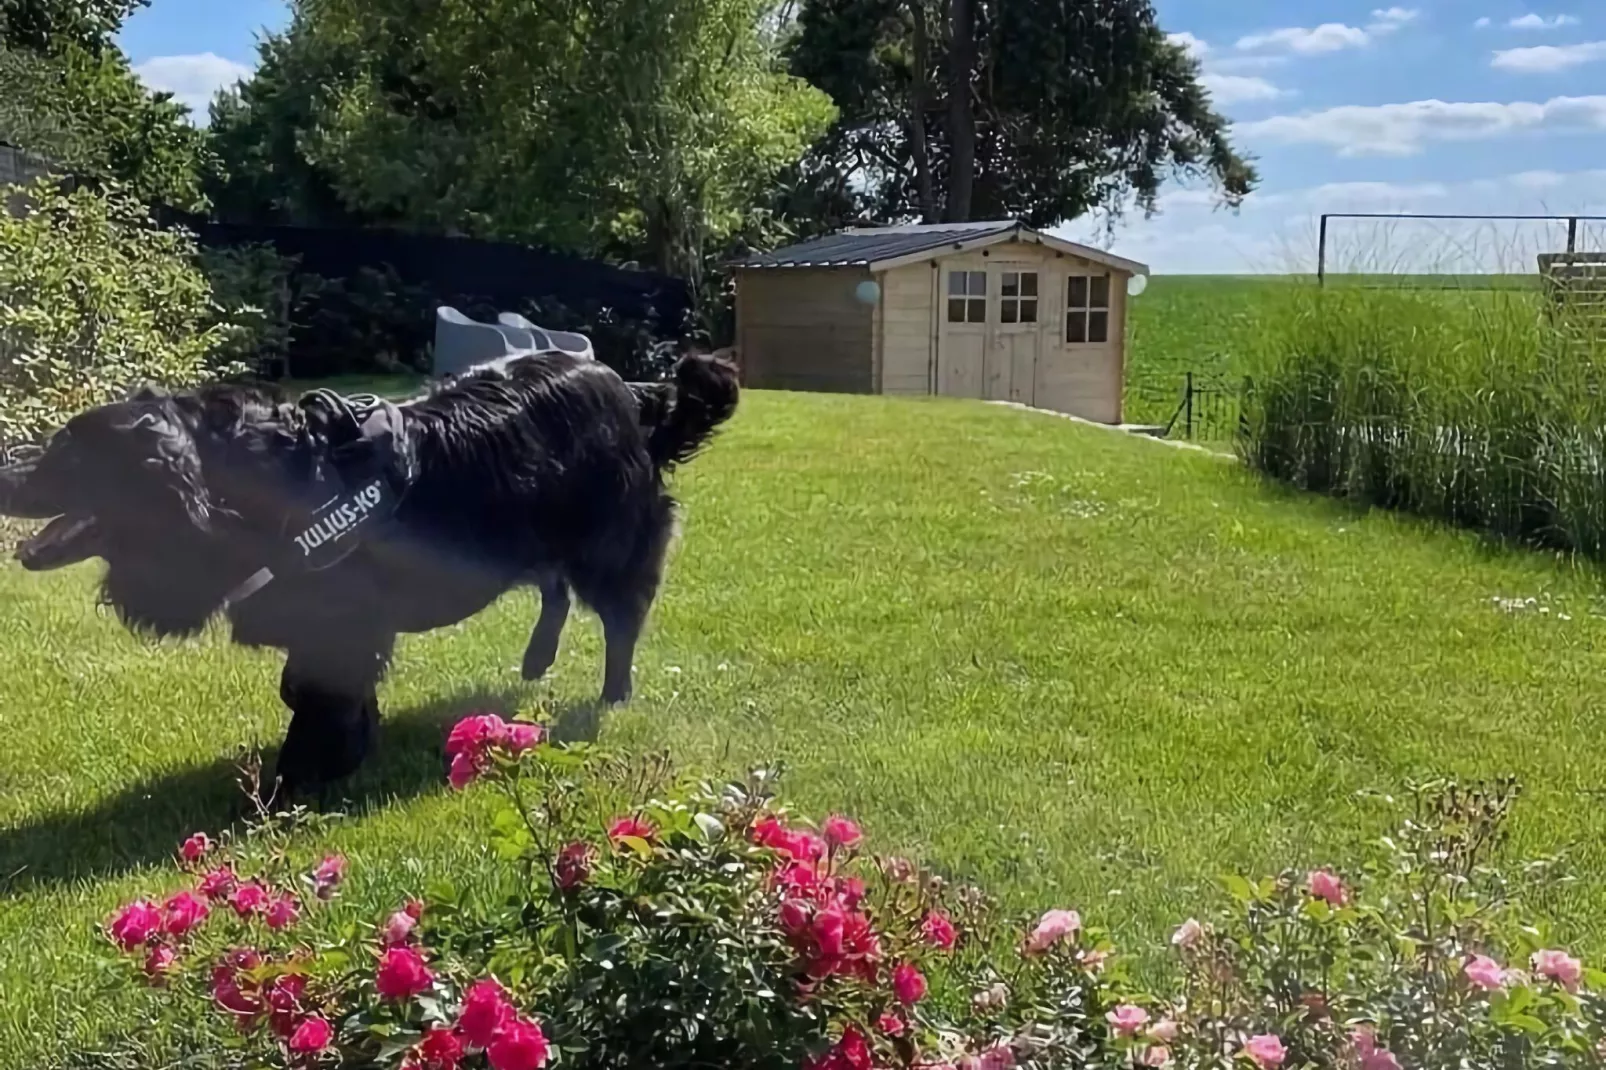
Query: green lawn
x,y
1088,669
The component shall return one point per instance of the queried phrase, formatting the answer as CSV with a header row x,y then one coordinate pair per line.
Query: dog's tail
x,y
680,416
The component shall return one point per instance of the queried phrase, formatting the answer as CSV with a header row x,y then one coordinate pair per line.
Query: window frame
x,y
971,298
1019,301
1081,315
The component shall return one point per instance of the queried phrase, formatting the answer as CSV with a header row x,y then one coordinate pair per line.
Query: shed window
x,y
1017,297
1087,309
967,297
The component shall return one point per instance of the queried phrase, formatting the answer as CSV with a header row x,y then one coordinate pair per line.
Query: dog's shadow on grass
x,y
143,824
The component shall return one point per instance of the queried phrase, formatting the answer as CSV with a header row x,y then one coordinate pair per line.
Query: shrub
x,y
94,300
256,291
660,922
1478,407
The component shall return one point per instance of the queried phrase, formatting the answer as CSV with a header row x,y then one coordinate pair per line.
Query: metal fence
x,y
1209,409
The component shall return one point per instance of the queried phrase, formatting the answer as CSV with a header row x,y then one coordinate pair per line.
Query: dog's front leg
x,y
543,648
334,707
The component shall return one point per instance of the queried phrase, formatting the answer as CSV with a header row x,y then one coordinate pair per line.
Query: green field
x,y
1206,324
1084,668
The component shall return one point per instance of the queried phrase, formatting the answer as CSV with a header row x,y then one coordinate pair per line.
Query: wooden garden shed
x,y
991,310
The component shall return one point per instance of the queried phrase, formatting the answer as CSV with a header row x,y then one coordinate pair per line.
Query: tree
x,y
953,110
638,129
68,94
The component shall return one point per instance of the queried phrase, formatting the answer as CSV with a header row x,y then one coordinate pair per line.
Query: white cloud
x,y
1539,22
1547,59
1403,129
1195,46
1328,37
1387,20
1238,88
1243,64
192,79
1483,22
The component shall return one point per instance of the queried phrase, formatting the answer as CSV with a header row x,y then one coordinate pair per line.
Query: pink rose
x,y
522,737
195,848
397,929
1127,1019
1485,973
1266,1051
1093,961
134,924
1165,1030
891,1025
520,1046
632,827
402,974
311,1036
1188,935
1325,885
327,877
440,1050
1155,1055
795,915
939,931
898,870
161,959
249,899
227,992
998,1057
1371,1056
1055,926
908,984
841,833
486,1011
475,734
183,912
1559,967
218,884
282,912
573,865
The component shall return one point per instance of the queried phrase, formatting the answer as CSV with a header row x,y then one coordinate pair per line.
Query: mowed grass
x,y
1083,668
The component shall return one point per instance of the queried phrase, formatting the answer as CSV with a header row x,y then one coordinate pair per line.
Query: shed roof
x,y
881,248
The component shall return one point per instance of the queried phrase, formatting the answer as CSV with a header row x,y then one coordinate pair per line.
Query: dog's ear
x,y
169,454
148,392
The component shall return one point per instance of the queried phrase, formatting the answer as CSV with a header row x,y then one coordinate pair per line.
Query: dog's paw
x,y
537,663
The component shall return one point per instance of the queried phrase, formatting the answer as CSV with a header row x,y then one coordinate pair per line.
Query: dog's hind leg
x,y
543,648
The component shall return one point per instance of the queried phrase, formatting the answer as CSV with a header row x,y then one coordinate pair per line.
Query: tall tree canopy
x,y
641,129
954,110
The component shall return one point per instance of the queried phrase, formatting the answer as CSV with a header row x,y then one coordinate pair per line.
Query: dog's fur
x,y
543,471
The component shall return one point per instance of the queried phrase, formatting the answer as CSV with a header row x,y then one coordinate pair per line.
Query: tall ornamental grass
x,y
1480,407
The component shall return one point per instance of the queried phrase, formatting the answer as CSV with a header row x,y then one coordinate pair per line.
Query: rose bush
x,y
666,923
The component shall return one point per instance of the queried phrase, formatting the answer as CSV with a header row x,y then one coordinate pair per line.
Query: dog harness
x,y
360,469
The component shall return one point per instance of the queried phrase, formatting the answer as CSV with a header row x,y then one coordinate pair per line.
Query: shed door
x,y
1017,334
962,348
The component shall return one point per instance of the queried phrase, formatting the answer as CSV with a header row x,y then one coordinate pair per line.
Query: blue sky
x,y
1441,106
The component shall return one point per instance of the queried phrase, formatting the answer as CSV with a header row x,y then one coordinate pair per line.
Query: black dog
x,y
326,527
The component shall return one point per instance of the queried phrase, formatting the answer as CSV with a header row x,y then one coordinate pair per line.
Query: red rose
x,y
402,974
573,865
283,912
195,848
908,984
842,833
795,914
485,1011
465,769
475,734
522,737
134,924
283,996
440,1050
311,1036
939,931
634,826
161,959
230,996
249,899
183,912
218,884
520,1046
